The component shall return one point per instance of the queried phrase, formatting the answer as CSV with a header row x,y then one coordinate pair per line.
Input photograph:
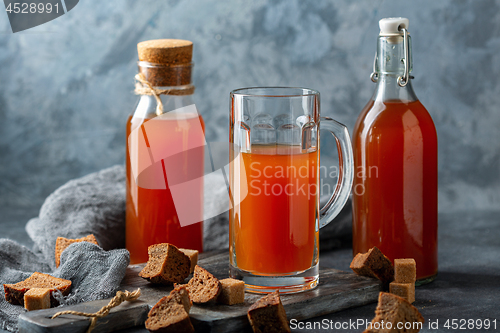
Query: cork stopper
x,y
166,62
166,51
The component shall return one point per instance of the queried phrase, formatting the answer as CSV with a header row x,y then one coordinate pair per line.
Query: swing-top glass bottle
x,y
395,160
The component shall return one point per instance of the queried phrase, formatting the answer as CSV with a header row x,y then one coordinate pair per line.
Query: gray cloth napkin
x,y
95,204
94,273
92,204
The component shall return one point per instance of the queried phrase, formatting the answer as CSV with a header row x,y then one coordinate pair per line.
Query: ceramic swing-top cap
x,y
392,25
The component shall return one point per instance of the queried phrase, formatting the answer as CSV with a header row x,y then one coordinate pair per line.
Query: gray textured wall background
x,y
66,86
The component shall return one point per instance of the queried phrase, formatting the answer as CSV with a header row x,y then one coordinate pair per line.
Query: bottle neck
x,y
390,66
175,80
175,102
387,89
146,108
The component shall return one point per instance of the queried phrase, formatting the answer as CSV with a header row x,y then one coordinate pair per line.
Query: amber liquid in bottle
x,y
151,216
395,183
395,164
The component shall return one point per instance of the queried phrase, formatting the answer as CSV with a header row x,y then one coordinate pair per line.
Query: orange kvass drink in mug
x,y
275,216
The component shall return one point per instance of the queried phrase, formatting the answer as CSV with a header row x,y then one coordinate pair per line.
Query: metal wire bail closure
x,y
403,80
374,74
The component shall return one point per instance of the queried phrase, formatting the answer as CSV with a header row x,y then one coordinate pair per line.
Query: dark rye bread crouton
x,y
171,313
166,265
267,315
203,286
62,243
373,264
14,293
394,309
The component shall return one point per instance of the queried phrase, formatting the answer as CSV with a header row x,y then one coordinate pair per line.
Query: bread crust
x,y
62,243
14,293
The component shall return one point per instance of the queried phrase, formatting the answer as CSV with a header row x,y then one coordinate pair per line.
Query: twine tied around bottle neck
x,y
144,87
120,297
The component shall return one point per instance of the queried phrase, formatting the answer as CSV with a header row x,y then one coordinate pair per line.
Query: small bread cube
x,y
193,256
405,270
404,290
233,291
37,298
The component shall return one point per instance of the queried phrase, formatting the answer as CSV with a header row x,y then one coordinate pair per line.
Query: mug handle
x,y
346,174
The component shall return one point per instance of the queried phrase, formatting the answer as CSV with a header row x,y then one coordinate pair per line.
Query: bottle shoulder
x,y
379,117
181,106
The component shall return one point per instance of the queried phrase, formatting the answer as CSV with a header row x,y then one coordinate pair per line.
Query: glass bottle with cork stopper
x,y
165,152
395,161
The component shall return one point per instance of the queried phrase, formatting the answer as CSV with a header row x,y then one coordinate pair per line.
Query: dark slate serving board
x,y
337,290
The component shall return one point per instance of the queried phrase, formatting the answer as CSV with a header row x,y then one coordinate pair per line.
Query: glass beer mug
x,y
275,216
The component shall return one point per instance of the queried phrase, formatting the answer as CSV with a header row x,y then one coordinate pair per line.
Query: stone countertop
x,y
467,286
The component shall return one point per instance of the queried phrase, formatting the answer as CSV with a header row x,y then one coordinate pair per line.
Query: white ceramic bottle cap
x,y
392,25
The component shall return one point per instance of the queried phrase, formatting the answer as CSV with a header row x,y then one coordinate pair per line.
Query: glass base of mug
x,y
285,284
